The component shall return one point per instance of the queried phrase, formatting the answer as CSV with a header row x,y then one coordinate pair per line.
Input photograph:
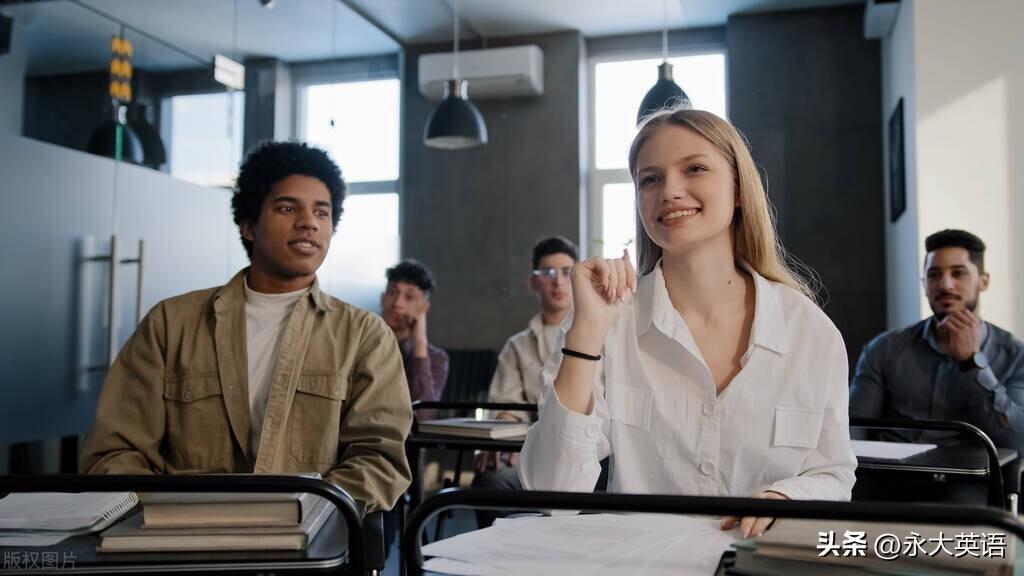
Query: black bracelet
x,y
580,355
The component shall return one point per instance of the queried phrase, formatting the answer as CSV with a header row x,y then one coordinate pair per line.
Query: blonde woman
x,y
721,375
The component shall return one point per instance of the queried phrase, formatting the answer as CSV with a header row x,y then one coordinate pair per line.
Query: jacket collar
x,y
654,309
234,291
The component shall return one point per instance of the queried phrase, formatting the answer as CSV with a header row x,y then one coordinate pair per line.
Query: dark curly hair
x,y
270,162
412,272
958,239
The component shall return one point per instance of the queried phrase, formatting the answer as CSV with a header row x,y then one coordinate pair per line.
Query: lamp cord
x,y
455,55
664,30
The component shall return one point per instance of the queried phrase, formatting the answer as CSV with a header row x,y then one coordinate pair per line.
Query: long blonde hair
x,y
753,226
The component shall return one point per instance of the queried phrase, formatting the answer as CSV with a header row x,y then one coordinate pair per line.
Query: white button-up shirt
x,y
780,424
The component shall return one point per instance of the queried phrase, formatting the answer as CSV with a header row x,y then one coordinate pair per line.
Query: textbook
x,y
226,509
472,428
793,547
132,536
63,512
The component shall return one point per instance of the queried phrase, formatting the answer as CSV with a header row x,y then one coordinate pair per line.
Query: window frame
x,y
345,71
165,114
598,178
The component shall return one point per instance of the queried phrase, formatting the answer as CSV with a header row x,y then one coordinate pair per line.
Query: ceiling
x,y
64,36
419,21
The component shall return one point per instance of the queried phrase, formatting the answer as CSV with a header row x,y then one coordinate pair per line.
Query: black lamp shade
x,y
154,154
104,142
664,94
456,123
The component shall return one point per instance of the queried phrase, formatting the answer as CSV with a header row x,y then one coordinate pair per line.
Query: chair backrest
x,y
469,375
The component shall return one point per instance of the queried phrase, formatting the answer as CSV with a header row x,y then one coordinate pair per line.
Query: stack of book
x,y
473,428
795,547
220,522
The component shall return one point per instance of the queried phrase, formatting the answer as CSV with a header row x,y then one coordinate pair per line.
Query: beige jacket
x,y
176,399
518,378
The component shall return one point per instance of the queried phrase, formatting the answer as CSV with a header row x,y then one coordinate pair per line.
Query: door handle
x,y
112,291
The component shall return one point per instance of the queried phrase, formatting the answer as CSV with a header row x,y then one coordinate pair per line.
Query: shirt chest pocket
x,y
194,407
316,418
795,433
630,406
797,427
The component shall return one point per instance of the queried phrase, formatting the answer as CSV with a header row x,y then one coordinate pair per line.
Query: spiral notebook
x,y
63,512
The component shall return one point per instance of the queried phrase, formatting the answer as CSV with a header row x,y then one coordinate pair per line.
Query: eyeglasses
x,y
551,274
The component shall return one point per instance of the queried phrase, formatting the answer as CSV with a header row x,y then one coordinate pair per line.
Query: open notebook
x,y
63,512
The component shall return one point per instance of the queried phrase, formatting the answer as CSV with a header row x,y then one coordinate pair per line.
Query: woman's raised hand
x,y
600,287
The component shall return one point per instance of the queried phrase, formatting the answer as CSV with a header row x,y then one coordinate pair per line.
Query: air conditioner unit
x,y
493,73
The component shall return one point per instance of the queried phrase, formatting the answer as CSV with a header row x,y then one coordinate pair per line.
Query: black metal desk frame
x,y
350,562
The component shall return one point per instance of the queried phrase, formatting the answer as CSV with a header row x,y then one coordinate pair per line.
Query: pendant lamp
x,y
115,139
665,93
456,123
154,154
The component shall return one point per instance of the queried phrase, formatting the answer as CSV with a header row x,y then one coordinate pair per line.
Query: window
x,y
618,87
357,122
205,135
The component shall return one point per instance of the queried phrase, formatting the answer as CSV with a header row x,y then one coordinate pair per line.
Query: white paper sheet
x,y
592,545
888,450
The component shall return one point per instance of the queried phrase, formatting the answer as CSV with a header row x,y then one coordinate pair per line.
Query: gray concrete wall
x,y
473,215
805,88
12,72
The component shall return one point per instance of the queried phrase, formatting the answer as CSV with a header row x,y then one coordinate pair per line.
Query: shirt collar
x,y
537,325
654,308
234,291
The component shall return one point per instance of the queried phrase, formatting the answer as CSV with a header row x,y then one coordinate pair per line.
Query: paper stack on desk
x,y
888,450
588,544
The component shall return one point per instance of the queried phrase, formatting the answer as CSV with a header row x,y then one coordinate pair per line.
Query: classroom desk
x,y
974,459
416,442
943,463
338,548
327,554
925,514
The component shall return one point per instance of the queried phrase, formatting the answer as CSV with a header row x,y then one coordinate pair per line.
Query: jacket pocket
x,y
198,435
316,418
797,427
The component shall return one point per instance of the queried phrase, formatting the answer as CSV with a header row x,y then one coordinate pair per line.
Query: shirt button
x,y
588,432
708,408
188,395
707,468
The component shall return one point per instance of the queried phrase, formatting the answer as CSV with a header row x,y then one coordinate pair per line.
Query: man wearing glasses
x,y
517,378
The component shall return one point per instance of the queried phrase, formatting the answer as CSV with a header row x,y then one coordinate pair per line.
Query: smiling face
x,y
952,281
686,190
293,233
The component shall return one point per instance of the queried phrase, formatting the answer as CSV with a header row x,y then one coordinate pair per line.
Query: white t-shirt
x,y
266,316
